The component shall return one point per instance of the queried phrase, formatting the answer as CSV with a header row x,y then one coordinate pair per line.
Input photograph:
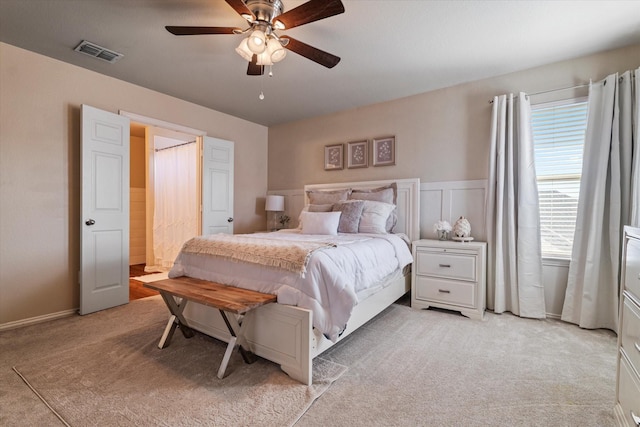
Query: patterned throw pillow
x,y
350,218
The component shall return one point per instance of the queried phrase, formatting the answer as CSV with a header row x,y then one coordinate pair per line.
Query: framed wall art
x,y
333,157
357,154
384,151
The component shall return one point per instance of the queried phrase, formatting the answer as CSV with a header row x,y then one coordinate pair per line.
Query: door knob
x,y
229,219
89,222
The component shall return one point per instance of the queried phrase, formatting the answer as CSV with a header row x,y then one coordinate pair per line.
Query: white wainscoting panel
x,y
449,200
555,274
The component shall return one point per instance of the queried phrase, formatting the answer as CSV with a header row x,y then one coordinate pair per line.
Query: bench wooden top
x,y
222,297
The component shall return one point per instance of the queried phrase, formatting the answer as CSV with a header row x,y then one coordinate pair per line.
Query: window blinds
x,y
558,134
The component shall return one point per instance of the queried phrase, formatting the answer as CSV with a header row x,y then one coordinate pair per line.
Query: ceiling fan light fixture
x,y
257,42
243,50
261,45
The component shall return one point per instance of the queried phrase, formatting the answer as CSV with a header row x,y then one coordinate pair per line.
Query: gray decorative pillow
x,y
350,217
317,197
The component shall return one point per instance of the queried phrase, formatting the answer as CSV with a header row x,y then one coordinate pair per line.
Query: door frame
x,y
149,166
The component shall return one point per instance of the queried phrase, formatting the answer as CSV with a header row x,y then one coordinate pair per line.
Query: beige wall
x,y
40,102
440,136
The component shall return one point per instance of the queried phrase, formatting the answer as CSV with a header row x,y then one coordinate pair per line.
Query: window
x,y
558,135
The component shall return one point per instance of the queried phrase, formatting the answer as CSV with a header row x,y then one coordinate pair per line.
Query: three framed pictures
x,y
357,154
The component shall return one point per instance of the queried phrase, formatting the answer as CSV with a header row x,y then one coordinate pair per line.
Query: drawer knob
x,y
635,418
444,291
445,265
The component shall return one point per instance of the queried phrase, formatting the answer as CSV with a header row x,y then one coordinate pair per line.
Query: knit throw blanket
x,y
285,254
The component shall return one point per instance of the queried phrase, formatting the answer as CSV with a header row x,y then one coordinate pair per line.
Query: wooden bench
x,y
227,299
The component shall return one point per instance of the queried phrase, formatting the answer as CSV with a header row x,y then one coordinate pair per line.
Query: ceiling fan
x,y
263,46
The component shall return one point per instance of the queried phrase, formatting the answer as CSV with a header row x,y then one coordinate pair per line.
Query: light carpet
x,y
405,368
148,278
127,380
436,368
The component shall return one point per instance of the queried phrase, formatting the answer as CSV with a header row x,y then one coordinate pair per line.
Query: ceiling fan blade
x,y
312,53
254,69
192,31
310,11
241,8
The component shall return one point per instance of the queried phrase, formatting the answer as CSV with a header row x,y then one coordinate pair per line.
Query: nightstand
x,y
449,275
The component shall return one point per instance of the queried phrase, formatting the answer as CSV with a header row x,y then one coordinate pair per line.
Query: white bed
x,y
284,333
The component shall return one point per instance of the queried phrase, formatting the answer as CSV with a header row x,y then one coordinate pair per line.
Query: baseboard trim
x,y
38,319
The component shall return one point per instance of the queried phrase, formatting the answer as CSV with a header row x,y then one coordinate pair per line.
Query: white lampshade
x,y
243,50
276,51
274,203
257,42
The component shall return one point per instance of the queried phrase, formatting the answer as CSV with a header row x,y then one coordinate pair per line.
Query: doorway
x,y
164,200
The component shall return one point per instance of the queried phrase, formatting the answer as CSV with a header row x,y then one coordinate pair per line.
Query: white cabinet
x,y
627,407
449,275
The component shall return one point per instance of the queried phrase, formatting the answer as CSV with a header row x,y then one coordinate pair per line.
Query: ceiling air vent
x,y
99,52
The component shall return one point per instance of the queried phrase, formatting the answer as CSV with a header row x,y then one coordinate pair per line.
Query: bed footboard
x,y
279,333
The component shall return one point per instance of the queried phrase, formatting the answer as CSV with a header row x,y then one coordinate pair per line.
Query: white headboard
x,y
408,201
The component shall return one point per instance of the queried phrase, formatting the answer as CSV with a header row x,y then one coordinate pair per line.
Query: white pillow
x,y
320,222
374,217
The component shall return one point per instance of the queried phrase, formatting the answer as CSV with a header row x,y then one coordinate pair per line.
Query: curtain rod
x,y
553,90
174,146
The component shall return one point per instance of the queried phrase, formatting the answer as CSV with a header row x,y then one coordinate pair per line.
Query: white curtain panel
x,y
513,216
605,204
175,210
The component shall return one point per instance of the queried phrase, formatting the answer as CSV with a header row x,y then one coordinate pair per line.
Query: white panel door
x,y
217,186
104,236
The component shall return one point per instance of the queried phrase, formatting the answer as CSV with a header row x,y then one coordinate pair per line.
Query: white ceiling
x,y
389,49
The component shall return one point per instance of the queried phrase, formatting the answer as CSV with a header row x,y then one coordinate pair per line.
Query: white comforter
x,y
336,278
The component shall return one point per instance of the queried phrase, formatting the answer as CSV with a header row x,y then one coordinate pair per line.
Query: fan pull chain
x,y
261,96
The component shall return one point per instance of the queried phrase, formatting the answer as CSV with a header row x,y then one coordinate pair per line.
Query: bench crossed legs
x,y
229,300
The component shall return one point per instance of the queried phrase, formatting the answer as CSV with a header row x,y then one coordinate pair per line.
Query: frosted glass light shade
x,y
264,58
276,51
257,42
243,50
274,203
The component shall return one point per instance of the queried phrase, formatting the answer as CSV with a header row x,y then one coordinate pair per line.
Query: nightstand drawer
x,y
446,291
448,265
628,392
630,331
632,270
